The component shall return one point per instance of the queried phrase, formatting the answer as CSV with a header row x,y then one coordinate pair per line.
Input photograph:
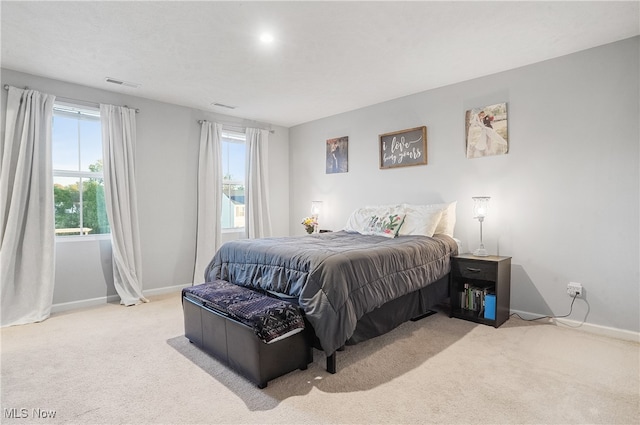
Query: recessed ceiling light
x,y
266,38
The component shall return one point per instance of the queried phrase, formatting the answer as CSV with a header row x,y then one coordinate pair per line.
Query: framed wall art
x,y
486,131
403,148
337,155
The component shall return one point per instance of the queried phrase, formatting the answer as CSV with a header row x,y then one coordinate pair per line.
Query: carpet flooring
x,y
132,365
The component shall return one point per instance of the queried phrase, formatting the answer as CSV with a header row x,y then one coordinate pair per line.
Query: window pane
x,y
232,205
76,150
90,145
233,170
65,147
225,160
94,214
67,205
233,160
227,213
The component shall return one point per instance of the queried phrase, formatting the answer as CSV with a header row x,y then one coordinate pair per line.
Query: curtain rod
x,y
237,126
69,100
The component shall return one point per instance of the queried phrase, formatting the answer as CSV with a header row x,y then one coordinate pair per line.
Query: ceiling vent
x,y
222,105
121,83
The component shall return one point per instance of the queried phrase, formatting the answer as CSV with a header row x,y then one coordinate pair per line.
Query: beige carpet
x,y
114,364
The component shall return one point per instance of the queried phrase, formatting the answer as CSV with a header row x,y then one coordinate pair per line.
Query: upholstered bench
x,y
259,336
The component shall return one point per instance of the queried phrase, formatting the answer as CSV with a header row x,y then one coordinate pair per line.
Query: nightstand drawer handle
x,y
471,269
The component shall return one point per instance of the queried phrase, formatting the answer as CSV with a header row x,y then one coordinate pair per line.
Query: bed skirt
x,y
395,312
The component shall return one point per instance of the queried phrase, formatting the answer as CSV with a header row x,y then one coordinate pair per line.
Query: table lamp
x,y
480,209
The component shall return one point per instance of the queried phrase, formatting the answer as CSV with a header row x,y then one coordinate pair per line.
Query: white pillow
x,y
375,220
447,221
420,221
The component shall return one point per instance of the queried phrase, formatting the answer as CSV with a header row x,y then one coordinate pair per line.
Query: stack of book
x,y
473,298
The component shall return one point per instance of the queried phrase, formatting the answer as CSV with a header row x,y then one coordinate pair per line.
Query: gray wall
x,y
564,200
166,160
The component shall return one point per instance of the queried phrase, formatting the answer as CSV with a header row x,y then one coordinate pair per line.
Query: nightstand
x,y
480,288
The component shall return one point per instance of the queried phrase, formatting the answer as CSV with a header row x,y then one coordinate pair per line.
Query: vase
x,y
309,229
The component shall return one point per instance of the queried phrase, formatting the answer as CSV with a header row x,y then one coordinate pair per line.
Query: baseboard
x,y
92,302
586,327
599,329
165,290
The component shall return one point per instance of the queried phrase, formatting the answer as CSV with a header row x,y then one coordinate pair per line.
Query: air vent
x,y
121,83
222,105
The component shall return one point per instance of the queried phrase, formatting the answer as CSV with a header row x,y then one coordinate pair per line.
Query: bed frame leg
x,y
331,363
423,315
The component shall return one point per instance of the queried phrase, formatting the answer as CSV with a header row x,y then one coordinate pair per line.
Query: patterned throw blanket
x,y
271,319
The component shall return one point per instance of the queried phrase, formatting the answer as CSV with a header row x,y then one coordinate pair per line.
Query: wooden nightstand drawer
x,y
471,269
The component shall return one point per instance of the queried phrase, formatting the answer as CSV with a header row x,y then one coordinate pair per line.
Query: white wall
x,y
166,160
564,200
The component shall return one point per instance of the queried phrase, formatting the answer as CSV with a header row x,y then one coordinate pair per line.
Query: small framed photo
x,y
486,131
337,155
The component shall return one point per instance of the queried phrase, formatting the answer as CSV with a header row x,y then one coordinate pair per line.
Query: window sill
x,y
235,230
84,238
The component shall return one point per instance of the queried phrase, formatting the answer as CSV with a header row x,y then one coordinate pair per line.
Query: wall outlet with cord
x,y
574,289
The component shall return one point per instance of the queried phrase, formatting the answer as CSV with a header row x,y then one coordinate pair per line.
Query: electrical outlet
x,y
574,289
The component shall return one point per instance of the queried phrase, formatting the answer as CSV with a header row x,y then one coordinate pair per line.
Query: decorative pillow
x,y
447,220
359,219
420,221
384,225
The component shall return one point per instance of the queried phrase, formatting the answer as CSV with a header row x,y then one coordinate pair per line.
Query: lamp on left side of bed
x,y
316,211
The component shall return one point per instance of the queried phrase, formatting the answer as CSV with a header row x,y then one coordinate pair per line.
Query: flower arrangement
x,y
309,224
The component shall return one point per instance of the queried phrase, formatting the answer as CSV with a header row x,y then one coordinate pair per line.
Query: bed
x,y
352,284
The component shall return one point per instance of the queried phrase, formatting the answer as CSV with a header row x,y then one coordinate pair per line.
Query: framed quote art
x,y
403,148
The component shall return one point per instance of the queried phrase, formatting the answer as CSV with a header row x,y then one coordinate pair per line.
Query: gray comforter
x,y
336,277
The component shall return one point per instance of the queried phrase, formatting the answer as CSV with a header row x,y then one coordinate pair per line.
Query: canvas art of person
x,y
487,131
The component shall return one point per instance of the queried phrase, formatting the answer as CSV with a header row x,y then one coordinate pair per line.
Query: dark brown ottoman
x,y
260,337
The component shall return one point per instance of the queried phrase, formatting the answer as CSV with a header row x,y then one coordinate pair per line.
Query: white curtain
x,y
118,148
208,232
258,219
27,223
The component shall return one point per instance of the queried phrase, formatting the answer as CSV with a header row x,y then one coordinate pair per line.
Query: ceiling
x,y
326,57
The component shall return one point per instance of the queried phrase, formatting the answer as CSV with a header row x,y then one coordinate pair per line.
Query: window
x,y
233,172
78,182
